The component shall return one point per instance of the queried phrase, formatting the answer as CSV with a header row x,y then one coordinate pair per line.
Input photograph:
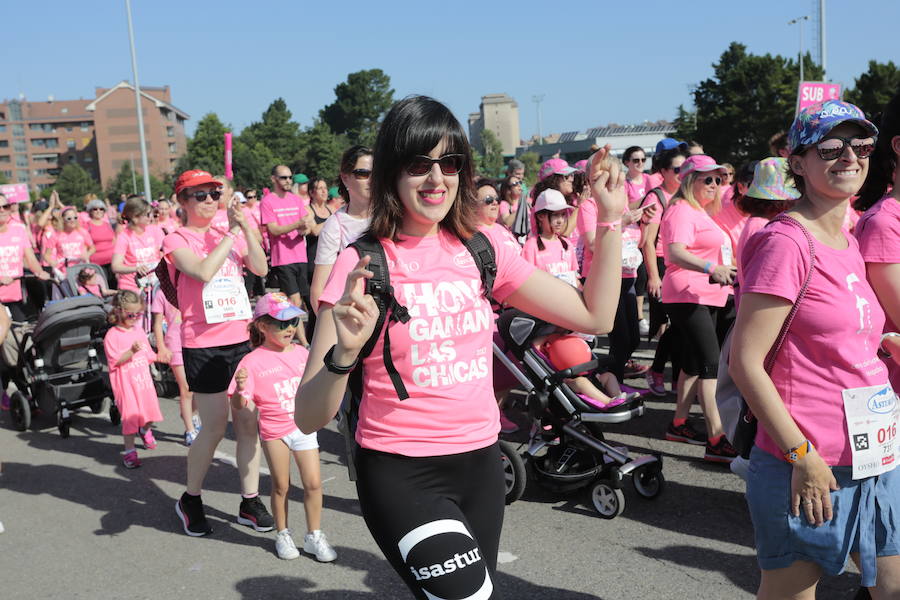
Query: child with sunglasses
x,y
129,355
266,381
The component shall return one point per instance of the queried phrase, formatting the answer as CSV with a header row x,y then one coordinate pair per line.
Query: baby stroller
x,y
566,448
57,368
69,286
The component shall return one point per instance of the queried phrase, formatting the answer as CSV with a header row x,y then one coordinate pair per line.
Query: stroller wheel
x,y
608,501
20,411
114,417
63,425
513,471
648,481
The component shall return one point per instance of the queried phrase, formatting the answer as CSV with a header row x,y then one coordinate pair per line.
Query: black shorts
x,y
209,370
292,279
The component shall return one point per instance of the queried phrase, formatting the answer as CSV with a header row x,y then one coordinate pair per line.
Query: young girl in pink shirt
x,y
89,282
168,347
266,381
129,355
549,250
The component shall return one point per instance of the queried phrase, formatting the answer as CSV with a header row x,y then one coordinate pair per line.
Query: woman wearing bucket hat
x,y
821,484
699,274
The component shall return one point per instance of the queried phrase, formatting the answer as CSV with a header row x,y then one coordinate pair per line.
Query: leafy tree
x,y
252,164
206,150
73,183
874,88
748,99
477,161
360,102
124,183
493,154
685,124
320,155
276,131
532,163
3,179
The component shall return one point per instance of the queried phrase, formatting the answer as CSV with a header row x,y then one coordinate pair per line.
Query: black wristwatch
x,y
337,369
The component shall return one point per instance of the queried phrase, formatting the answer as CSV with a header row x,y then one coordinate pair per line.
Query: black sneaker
x,y
722,452
190,511
254,514
685,433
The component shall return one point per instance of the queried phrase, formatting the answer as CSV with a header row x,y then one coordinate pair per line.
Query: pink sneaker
x,y
147,437
656,383
131,460
507,426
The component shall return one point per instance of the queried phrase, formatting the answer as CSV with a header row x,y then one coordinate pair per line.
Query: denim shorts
x,y
866,519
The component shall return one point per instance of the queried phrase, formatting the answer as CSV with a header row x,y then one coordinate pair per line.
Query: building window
x,y
23,176
41,172
21,160
4,143
85,125
19,145
68,129
64,110
19,130
15,111
88,158
170,131
5,159
7,174
2,128
71,158
172,147
70,143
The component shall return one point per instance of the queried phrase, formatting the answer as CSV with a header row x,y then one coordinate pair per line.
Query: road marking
x,y
506,557
230,460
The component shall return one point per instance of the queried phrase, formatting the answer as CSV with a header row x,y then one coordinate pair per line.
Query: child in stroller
x,y
90,282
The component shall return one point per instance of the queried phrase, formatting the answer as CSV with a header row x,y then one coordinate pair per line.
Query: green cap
x,y
333,192
301,178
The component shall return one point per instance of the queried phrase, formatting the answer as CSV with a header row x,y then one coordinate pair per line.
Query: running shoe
x,y
506,425
656,383
5,401
315,543
723,452
195,420
285,547
131,460
644,327
190,510
253,513
635,369
190,436
147,438
685,433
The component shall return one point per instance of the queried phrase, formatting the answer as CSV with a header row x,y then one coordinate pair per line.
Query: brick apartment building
x,y
37,139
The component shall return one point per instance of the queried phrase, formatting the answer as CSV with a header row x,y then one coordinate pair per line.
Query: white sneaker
x,y
315,543
644,326
195,421
285,546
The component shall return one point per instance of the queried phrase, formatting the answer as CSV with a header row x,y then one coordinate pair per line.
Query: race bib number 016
x,y
225,299
872,415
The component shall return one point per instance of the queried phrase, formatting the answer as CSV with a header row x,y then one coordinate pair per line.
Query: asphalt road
x,y
79,525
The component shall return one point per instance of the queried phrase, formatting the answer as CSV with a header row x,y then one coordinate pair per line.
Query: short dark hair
x,y
275,169
485,182
663,160
412,127
777,142
348,163
631,150
883,162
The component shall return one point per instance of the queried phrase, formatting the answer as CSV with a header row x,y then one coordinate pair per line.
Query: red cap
x,y
192,178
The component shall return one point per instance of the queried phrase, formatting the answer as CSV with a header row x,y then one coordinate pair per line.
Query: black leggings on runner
x,y
437,519
625,336
696,327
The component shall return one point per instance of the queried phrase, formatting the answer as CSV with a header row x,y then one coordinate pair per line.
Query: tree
x,y
873,89
129,182
360,103
276,131
748,99
685,124
206,150
492,163
532,163
252,164
73,183
320,155
3,179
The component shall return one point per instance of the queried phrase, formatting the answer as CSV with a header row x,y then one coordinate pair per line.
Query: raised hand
x,y
607,185
356,313
235,214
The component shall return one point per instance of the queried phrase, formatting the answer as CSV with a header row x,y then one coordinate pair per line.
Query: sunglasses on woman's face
x,y
70,219
638,160
201,196
710,179
491,200
282,325
833,147
97,208
5,207
450,164
361,174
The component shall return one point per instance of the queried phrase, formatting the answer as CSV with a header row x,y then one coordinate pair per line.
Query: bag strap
x,y
659,194
783,218
483,252
168,287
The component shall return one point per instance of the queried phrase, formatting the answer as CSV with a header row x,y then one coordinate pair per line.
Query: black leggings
x,y
437,519
625,336
696,327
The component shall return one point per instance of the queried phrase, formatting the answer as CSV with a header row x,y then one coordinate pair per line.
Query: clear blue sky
x,y
595,61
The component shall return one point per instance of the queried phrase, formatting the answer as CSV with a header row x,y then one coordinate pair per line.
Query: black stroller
x,y
566,448
57,367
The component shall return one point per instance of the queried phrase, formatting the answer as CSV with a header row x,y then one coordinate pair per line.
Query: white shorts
x,y
297,440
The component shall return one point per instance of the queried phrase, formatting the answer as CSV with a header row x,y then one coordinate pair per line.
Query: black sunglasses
x,y
361,174
284,176
638,160
676,170
710,179
833,147
201,196
450,164
491,200
250,196
282,325
5,207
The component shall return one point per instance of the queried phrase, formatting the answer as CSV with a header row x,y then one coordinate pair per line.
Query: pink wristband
x,y
611,225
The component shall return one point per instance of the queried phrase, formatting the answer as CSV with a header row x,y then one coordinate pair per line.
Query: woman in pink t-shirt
x,y
510,194
699,274
103,235
166,218
436,419
822,483
137,249
206,265
71,245
15,255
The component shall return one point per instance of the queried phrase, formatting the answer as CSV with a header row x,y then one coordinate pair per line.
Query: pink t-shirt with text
x,y
878,232
555,259
272,382
684,224
172,317
13,243
195,331
443,353
288,248
833,338
500,235
131,382
636,190
71,245
137,249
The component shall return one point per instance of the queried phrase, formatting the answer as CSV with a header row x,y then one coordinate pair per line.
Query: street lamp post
x,y
137,99
798,21
537,99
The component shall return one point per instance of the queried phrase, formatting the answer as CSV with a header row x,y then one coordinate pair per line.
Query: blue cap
x,y
669,144
815,121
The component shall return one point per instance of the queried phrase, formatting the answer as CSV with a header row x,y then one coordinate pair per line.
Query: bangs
x,y
422,125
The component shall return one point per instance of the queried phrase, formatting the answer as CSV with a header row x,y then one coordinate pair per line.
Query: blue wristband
x,y
707,267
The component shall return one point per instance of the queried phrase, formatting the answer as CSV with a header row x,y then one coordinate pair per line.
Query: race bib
x,y
727,254
568,277
872,415
225,299
631,255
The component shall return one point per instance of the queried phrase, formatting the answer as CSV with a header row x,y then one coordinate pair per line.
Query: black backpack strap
x,y
659,194
485,259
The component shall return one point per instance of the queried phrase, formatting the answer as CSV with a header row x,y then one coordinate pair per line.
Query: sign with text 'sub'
x,y
15,192
814,92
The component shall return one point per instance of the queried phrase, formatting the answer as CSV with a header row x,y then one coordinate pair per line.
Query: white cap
x,y
551,200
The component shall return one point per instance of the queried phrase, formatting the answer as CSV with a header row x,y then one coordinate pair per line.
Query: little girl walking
x,y
129,355
269,377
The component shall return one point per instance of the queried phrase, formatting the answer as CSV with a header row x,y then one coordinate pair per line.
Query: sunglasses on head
x,y
282,325
833,147
450,164
201,196
491,200
709,179
361,174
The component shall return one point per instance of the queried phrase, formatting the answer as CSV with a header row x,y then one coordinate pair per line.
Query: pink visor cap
x,y
554,166
700,163
277,306
551,200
